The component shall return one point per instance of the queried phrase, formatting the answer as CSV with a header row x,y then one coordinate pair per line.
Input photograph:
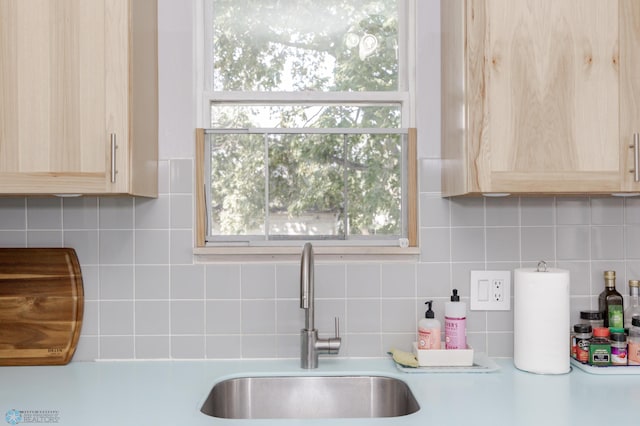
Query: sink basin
x,y
310,397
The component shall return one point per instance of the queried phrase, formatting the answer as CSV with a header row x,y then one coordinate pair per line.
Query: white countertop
x,y
162,393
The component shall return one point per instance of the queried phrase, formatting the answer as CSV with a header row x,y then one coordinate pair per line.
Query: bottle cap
x,y
609,278
601,332
591,315
429,313
616,330
634,283
582,328
618,337
454,296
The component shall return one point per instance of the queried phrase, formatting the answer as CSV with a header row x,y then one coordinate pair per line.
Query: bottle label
x,y
615,316
455,333
634,352
428,338
582,349
619,355
599,354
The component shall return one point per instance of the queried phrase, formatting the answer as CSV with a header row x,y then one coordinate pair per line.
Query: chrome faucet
x,y
310,344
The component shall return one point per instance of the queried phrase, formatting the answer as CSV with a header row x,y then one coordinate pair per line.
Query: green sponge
x,y
405,359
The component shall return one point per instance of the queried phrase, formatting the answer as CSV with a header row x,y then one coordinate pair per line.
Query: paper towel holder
x,y
540,343
544,266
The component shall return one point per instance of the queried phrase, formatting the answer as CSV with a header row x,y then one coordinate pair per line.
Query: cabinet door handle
x,y
114,146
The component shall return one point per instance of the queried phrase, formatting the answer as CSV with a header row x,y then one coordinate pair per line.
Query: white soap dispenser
x,y
429,330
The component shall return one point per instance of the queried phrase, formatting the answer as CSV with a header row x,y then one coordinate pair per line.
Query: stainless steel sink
x,y
310,397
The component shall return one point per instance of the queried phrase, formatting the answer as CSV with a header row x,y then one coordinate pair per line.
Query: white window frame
x,y
404,96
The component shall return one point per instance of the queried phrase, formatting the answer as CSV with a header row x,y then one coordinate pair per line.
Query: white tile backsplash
x,y
116,282
13,214
116,318
258,317
187,317
398,315
607,211
115,247
153,213
80,213
115,212
152,317
224,346
187,347
44,213
222,281
398,280
117,347
258,281
502,211
364,315
329,281
187,282
181,176
144,292
223,316
153,347
468,244
537,211
503,244
537,243
152,282
363,280
573,211
181,211
44,238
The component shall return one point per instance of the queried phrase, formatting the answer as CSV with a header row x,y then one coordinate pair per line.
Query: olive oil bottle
x,y
610,302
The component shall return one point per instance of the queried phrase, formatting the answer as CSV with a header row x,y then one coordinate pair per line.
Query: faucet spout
x,y
310,344
307,298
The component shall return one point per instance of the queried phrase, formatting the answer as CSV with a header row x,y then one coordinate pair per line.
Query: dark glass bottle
x,y
610,302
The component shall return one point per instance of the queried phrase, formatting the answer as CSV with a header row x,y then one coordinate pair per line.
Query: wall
x,y
146,299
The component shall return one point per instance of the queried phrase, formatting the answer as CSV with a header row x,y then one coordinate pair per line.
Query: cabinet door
x,y
53,130
630,92
546,119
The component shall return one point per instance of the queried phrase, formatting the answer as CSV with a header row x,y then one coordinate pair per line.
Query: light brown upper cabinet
x,y
540,97
78,97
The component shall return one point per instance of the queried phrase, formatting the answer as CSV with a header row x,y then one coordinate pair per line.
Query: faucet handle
x,y
333,344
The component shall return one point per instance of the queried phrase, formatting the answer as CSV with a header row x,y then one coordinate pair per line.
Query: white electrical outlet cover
x,y
490,291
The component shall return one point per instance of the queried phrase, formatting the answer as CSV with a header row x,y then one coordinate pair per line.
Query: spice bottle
x,y
600,347
618,349
581,342
634,304
610,302
633,349
593,318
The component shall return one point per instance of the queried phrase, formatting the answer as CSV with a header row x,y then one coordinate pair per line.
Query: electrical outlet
x,y
497,290
490,291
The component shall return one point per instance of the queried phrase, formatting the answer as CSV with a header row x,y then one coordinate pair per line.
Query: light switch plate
x,y
490,290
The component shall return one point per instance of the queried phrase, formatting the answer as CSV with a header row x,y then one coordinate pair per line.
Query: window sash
x,y
406,73
279,239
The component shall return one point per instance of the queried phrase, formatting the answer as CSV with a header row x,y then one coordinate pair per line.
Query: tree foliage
x,y
318,46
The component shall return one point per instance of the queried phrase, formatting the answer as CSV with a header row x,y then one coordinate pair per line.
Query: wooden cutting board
x,y
41,305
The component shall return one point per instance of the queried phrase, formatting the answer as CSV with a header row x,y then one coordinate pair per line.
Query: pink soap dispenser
x,y
455,323
429,330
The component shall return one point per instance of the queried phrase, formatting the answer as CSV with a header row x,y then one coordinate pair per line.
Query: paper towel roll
x,y
541,317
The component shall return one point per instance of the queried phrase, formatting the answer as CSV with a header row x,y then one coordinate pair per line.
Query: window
x,y
307,105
